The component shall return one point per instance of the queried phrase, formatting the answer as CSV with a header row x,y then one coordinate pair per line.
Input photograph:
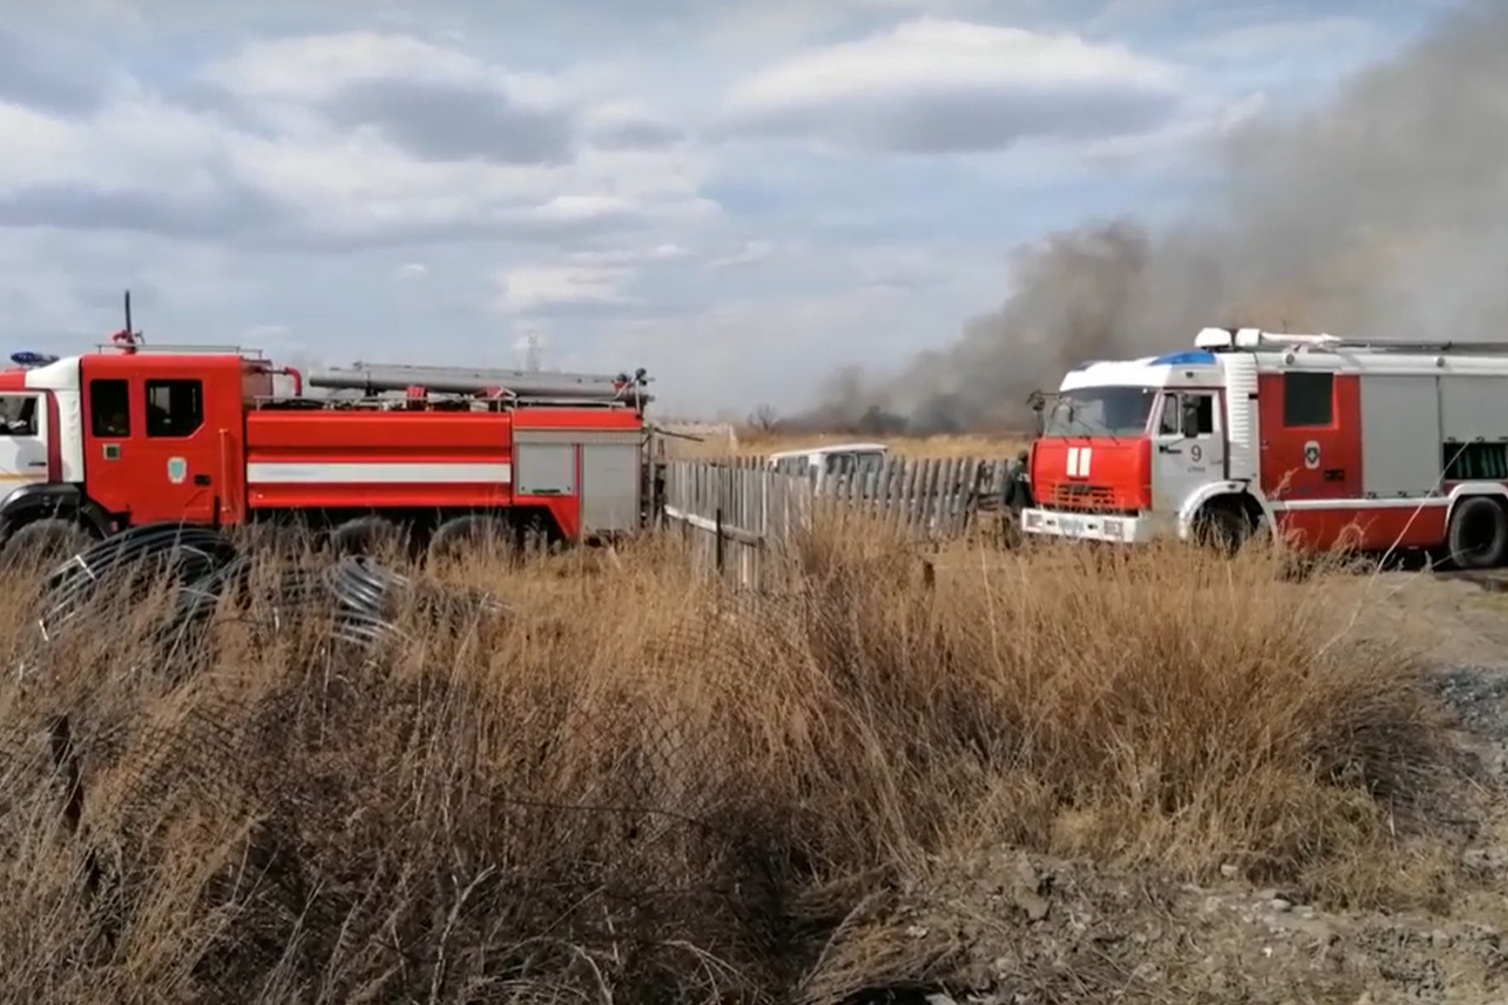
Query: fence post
x,y
717,532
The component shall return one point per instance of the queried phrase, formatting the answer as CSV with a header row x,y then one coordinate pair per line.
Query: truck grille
x,y
1074,496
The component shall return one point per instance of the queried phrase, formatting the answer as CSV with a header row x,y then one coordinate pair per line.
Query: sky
x,y
738,195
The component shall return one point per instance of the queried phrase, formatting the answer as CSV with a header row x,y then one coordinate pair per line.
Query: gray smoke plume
x,y
1383,214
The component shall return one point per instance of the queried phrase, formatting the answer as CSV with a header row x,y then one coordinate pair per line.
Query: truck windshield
x,y
1100,411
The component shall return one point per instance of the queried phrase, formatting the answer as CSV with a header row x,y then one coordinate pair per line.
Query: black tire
x,y
1478,533
1222,528
371,536
534,536
461,536
47,542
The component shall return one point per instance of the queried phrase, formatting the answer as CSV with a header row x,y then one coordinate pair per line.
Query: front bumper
x,y
1088,526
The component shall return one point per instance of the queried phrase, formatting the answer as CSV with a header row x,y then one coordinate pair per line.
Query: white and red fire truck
x,y
131,433
1332,443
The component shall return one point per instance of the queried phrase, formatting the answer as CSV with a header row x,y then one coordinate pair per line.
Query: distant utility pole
x,y
531,351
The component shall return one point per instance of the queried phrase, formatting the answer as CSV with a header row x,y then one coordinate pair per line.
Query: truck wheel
x,y
464,536
1223,528
371,536
46,542
534,536
1478,533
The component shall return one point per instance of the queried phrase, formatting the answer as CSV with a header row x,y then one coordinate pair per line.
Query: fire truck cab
x,y
1332,443
131,434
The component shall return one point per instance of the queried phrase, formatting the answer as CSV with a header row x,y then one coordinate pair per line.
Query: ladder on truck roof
x,y
524,385
185,348
1254,339
1467,348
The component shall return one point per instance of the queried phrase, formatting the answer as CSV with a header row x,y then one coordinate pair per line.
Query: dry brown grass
x,y
641,789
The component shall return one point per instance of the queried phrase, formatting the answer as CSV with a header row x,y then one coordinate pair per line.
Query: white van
x,y
818,464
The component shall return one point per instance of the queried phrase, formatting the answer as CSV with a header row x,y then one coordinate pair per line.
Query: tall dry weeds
x,y
639,788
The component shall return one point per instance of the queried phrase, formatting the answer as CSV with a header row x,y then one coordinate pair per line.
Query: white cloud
x,y
752,27
752,253
344,140
432,102
800,314
134,138
932,85
660,253
743,352
307,69
1116,13
1265,40
544,289
1165,148
629,125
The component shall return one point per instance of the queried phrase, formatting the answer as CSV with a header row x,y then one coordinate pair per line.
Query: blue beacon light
x,y
28,358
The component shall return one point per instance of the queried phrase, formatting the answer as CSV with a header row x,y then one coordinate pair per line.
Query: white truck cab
x,y
1129,447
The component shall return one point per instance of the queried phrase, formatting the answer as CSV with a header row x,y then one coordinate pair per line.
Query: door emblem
x,y
1311,455
177,470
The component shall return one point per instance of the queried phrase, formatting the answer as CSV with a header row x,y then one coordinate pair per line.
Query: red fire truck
x,y
1333,443
131,433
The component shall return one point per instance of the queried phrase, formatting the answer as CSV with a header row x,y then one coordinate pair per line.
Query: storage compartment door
x,y
544,469
611,483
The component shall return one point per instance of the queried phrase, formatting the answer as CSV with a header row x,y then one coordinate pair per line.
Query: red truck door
x,y
156,436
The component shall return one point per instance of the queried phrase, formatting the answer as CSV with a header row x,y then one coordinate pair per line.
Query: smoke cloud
x,y
1383,214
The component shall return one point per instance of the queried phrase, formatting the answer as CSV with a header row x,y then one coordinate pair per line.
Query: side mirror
x,y
1037,402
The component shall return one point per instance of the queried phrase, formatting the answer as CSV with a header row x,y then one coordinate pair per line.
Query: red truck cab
x,y
1090,470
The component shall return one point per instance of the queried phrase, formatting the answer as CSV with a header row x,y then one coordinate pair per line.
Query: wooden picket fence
x,y
936,498
734,515
738,514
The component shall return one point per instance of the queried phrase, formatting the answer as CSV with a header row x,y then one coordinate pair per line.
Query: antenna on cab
x,y
127,337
